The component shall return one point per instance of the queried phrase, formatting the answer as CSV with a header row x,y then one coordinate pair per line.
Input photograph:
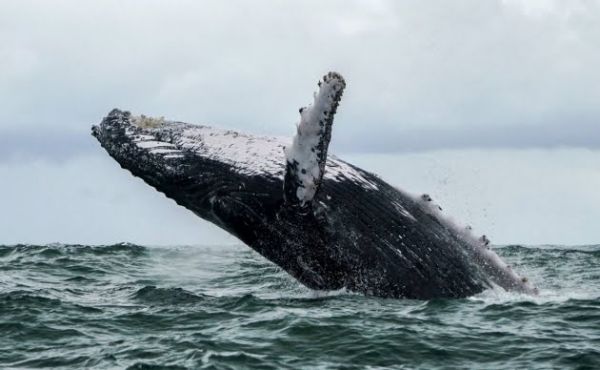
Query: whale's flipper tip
x,y
306,157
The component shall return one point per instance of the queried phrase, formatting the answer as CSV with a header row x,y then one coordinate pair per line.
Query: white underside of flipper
x,y
307,156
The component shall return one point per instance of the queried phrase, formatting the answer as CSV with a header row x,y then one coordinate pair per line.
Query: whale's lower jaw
x,y
358,232
211,188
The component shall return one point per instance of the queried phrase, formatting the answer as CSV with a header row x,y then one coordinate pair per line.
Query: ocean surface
x,y
225,307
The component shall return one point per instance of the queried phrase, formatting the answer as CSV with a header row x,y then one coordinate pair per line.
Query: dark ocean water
x,y
129,306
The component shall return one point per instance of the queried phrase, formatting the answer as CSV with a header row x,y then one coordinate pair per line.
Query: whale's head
x,y
230,179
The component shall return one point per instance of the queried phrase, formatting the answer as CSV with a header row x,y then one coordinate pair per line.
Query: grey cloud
x,y
565,134
61,146
55,146
420,76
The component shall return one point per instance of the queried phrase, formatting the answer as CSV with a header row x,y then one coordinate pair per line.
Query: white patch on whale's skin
x,y
403,211
338,170
246,154
150,144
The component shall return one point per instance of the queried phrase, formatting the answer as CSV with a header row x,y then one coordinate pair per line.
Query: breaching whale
x,y
329,224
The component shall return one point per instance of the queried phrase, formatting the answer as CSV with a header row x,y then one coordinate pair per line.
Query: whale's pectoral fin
x,y
306,157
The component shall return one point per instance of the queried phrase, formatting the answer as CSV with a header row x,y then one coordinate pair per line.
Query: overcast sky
x,y
436,90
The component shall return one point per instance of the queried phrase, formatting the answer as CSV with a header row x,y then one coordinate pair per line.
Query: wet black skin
x,y
348,237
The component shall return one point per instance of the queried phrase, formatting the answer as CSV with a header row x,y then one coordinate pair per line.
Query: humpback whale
x,y
326,222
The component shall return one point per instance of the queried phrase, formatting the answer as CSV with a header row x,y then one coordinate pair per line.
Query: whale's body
x,y
357,232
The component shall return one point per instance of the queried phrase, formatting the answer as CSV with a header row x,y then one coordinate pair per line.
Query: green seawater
x,y
225,307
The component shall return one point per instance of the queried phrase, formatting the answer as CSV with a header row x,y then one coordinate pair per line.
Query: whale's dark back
x,y
375,241
358,233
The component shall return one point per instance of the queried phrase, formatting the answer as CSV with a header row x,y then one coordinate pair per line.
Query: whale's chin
x,y
172,157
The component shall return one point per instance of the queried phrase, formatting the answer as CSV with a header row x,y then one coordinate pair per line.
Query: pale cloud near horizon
x,y
513,196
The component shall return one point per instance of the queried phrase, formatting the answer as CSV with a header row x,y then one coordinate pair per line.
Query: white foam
x,y
497,295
